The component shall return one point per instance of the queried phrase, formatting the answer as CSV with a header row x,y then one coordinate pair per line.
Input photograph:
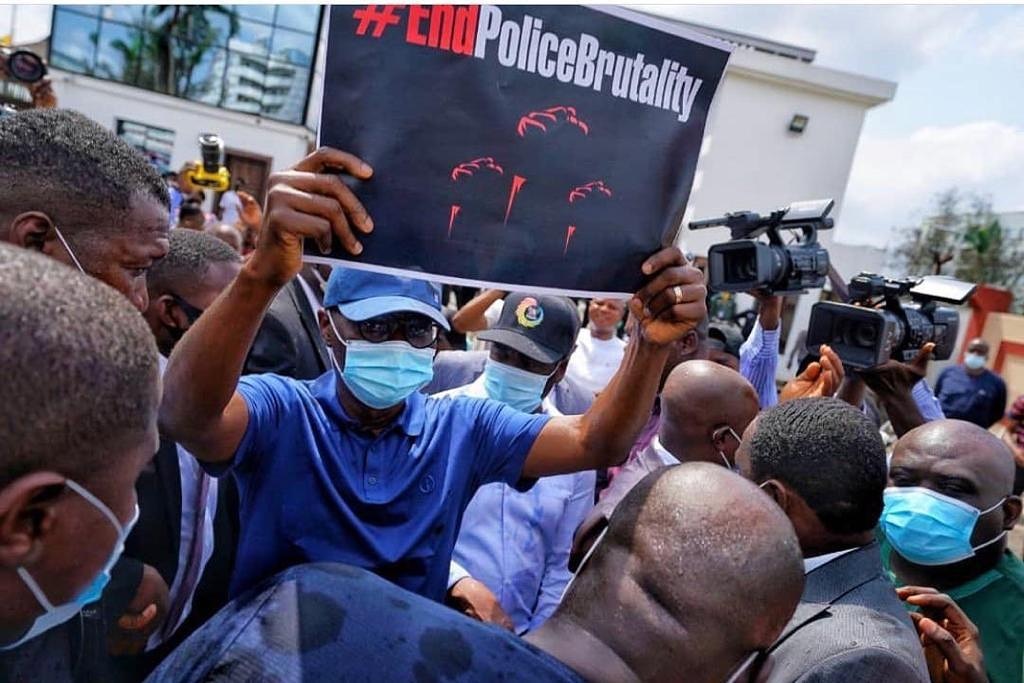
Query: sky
x,y
957,119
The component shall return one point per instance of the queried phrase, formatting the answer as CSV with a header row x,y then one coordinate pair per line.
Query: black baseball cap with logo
x,y
541,327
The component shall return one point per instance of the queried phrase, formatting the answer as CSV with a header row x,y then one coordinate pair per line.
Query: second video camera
x,y
745,264
210,173
882,327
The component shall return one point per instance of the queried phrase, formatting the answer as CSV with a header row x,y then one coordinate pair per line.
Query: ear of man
x,y
27,514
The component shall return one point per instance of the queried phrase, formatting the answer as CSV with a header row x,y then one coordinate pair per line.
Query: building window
x,y
251,58
156,144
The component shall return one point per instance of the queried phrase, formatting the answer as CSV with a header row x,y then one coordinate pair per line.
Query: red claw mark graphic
x,y
468,168
568,236
542,119
583,191
517,184
451,221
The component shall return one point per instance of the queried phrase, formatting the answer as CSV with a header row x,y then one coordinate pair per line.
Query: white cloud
x,y
894,179
1005,38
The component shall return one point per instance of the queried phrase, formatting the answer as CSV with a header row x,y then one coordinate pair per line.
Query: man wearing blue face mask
x,y
357,466
947,512
971,391
517,542
78,406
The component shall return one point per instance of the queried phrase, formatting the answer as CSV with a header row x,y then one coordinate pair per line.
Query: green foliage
x,y
962,237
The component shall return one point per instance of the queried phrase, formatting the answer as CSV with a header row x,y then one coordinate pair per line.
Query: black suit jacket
x,y
849,627
156,541
288,342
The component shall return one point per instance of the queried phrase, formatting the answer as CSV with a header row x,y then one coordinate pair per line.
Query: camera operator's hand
x,y
43,96
893,378
770,309
950,640
820,378
309,200
893,382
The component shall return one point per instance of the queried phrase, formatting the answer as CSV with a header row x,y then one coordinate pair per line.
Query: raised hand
x,y
896,378
951,643
820,378
310,200
673,302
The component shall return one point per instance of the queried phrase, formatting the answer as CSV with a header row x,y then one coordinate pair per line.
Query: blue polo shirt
x,y
314,488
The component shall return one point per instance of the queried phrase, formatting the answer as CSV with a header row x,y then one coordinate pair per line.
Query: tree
x,y
961,236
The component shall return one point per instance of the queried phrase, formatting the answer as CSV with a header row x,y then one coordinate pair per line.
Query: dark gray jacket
x,y
849,627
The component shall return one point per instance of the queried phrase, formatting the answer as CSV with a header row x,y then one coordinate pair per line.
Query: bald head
x,y
698,566
979,346
699,399
928,453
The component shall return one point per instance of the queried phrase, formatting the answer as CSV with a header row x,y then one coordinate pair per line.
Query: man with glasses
x,y
823,463
627,616
358,466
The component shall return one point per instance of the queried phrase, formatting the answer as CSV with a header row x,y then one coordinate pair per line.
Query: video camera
x,y
744,264
210,173
23,65
882,327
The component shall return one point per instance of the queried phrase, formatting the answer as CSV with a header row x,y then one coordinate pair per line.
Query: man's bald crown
x,y
963,441
700,392
711,545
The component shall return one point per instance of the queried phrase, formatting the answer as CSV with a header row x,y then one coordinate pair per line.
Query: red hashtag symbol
x,y
380,19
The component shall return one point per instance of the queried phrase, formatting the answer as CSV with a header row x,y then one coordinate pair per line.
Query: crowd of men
x,y
222,464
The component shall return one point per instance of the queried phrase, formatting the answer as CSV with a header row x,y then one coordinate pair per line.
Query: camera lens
x,y
741,267
25,66
856,333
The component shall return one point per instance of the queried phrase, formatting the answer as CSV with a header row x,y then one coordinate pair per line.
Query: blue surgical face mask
x,y
515,388
55,615
385,374
974,361
929,528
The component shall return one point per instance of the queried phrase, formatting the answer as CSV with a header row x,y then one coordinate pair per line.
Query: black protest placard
x,y
544,148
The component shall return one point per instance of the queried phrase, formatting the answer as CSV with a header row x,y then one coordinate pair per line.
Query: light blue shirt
x,y
759,359
517,543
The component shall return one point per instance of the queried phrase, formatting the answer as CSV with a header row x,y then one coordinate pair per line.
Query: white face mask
x,y
55,615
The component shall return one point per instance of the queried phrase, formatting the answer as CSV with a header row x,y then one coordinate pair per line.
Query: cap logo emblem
x,y
529,313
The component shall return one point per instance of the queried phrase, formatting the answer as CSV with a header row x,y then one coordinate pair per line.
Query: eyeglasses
x,y
418,330
191,312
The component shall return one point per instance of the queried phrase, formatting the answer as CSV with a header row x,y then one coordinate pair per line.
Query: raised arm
x,y
671,304
470,318
201,408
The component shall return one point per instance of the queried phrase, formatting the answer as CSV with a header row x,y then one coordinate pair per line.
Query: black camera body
x,y
745,264
882,327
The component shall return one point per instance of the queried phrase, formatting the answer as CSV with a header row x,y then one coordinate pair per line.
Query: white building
x,y
751,159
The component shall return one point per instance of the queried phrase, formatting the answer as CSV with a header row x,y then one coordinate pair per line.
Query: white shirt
x,y
595,361
812,563
189,471
232,207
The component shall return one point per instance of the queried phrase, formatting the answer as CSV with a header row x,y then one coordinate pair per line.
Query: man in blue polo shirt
x,y
357,466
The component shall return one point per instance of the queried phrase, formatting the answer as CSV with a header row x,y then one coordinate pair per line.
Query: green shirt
x,y
994,601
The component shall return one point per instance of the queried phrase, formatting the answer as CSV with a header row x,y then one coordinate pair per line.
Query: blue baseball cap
x,y
360,295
